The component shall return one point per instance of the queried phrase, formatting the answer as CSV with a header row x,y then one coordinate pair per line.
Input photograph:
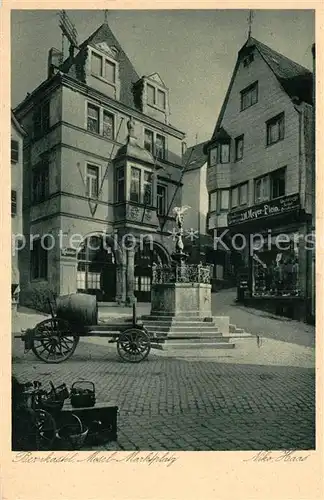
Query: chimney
x,y
55,59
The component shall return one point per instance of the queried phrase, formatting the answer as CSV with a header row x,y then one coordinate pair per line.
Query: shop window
x,y
40,182
161,193
276,129
39,259
239,146
93,119
275,268
249,96
92,181
120,184
213,156
14,151
224,156
135,185
13,203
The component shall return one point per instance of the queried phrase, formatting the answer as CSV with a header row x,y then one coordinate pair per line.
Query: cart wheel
x,y
53,341
33,430
133,345
45,428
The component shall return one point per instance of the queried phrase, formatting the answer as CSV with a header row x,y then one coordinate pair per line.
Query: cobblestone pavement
x,y
247,398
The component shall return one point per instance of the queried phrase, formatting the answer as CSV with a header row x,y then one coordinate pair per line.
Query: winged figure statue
x,y
179,212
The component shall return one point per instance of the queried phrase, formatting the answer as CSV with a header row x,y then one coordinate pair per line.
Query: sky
x,y
194,51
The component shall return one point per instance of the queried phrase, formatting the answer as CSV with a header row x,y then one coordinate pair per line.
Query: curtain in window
x,y
108,125
135,184
93,119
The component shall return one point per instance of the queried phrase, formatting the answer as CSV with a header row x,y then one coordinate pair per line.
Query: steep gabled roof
x,y
127,73
196,157
296,80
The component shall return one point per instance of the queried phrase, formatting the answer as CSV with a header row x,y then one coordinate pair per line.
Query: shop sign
x,y
68,252
266,209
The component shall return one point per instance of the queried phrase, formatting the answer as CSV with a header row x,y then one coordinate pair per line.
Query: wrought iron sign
x,y
264,210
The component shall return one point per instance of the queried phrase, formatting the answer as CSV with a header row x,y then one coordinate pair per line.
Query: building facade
x,y
17,137
102,170
261,179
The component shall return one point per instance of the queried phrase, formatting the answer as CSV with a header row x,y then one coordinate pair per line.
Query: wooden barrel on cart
x,y
78,309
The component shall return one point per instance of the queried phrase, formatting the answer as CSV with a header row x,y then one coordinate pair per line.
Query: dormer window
x,y
155,97
102,67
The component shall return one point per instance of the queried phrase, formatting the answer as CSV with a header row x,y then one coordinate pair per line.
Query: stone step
x,y
198,345
178,318
234,329
178,323
182,328
191,338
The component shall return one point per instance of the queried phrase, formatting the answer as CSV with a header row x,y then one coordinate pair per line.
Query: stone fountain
x,y
181,289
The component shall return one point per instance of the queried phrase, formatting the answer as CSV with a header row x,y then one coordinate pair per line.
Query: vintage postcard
x,y
162,323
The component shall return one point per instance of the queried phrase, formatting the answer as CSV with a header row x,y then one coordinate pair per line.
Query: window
x,y
270,186
93,119
13,203
239,146
42,119
161,192
278,183
275,129
223,199
110,71
96,65
135,184
40,183
160,146
39,256
148,140
155,97
239,195
213,156
234,197
147,188
108,125
213,201
150,94
249,96
102,67
161,99
14,151
155,144
224,153
120,184
92,181
248,60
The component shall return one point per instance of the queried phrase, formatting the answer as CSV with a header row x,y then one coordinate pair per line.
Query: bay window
x,y
147,188
224,156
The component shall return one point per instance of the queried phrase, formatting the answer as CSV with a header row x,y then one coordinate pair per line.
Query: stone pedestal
x,y
181,299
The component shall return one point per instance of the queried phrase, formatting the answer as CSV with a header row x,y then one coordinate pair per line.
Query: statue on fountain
x,y
179,255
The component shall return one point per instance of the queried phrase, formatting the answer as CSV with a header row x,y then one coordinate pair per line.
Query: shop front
x,y
276,271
